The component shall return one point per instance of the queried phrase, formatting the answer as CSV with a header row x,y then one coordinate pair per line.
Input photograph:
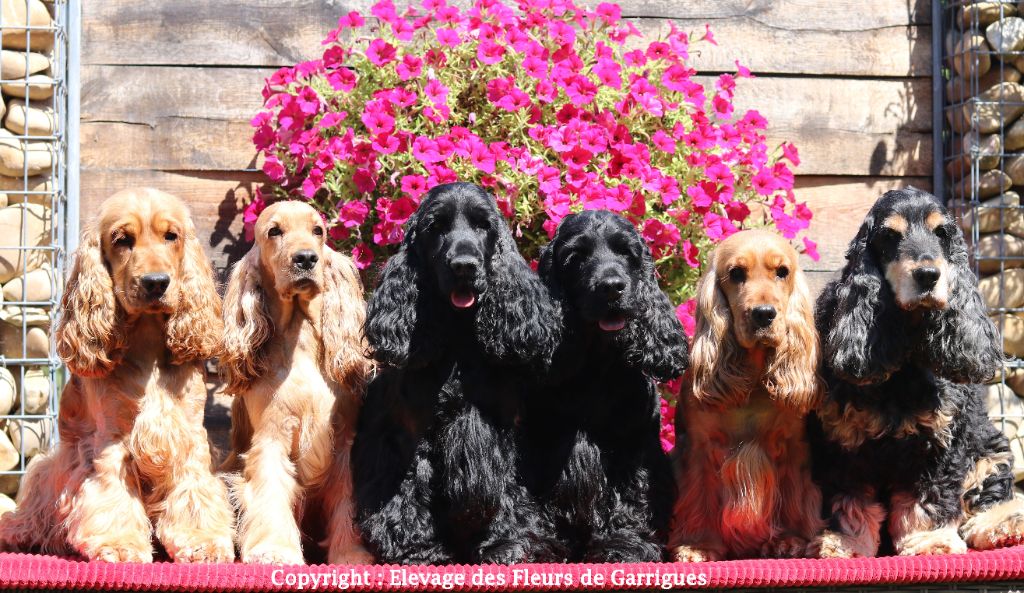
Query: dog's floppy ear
x,y
89,332
858,320
546,269
247,325
194,330
394,310
716,359
342,314
658,344
518,321
792,373
962,343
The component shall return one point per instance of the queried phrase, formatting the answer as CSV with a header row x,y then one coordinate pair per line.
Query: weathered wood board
x,y
867,38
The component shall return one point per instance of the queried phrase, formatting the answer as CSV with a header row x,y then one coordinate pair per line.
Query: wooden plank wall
x,y
169,87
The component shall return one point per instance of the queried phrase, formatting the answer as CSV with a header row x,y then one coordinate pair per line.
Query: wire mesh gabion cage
x,y
980,55
34,223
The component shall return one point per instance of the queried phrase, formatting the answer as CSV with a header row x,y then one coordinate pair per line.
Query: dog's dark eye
x,y
318,231
170,236
782,272
738,275
275,232
125,241
942,232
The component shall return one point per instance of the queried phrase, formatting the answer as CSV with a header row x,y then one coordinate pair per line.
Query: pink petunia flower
x,y
378,122
811,249
342,79
664,142
691,255
409,67
489,52
362,256
790,152
436,91
353,213
251,213
448,37
414,186
352,20
708,35
686,313
380,52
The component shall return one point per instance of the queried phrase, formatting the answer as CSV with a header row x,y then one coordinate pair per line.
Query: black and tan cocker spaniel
x,y
592,435
462,328
903,439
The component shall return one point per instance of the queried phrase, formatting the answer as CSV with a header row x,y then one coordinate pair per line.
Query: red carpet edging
x,y
23,571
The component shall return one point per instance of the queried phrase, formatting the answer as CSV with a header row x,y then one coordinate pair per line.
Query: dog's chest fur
x,y
147,402
760,450
295,397
911,405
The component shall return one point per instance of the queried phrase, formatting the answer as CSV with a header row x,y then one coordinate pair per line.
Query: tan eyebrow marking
x,y
935,220
897,223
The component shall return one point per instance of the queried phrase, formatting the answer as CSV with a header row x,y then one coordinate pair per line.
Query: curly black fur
x,y
906,367
461,325
592,437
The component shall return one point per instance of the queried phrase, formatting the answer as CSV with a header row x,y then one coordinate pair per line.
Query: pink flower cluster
x,y
549,105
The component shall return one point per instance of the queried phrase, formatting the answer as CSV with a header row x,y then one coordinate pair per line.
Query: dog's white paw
x,y
273,554
832,544
694,554
938,541
998,527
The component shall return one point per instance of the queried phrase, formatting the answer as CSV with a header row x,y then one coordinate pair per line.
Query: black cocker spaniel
x,y
903,440
462,327
594,458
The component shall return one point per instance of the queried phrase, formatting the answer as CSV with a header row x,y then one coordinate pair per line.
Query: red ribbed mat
x,y
26,571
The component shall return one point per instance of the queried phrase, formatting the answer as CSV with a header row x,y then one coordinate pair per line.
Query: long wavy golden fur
x,y
139,316
743,466
295,358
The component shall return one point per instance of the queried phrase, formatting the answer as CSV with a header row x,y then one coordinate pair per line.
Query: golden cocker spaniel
x,y
139,316
743,463
295,360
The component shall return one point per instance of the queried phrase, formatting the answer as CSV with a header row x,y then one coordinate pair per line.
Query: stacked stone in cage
x,y
984,166
29,154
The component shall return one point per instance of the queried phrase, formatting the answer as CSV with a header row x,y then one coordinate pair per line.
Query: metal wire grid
x,y
966,161
42,195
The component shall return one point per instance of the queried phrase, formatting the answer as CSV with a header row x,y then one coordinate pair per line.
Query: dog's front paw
x,y
938,541
832,544
504,553
785,546
120,553
695,554
997,527
273,554
201,550
625,553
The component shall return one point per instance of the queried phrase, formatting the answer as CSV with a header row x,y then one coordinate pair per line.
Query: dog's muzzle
x,y
464,269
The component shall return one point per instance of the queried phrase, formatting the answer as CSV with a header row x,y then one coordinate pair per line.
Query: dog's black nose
x,y
155,285
926,277
305,259
464,266
763,315
612,287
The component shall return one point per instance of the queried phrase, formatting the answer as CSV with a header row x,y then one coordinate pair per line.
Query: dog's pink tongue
x,y
463,299
612,323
